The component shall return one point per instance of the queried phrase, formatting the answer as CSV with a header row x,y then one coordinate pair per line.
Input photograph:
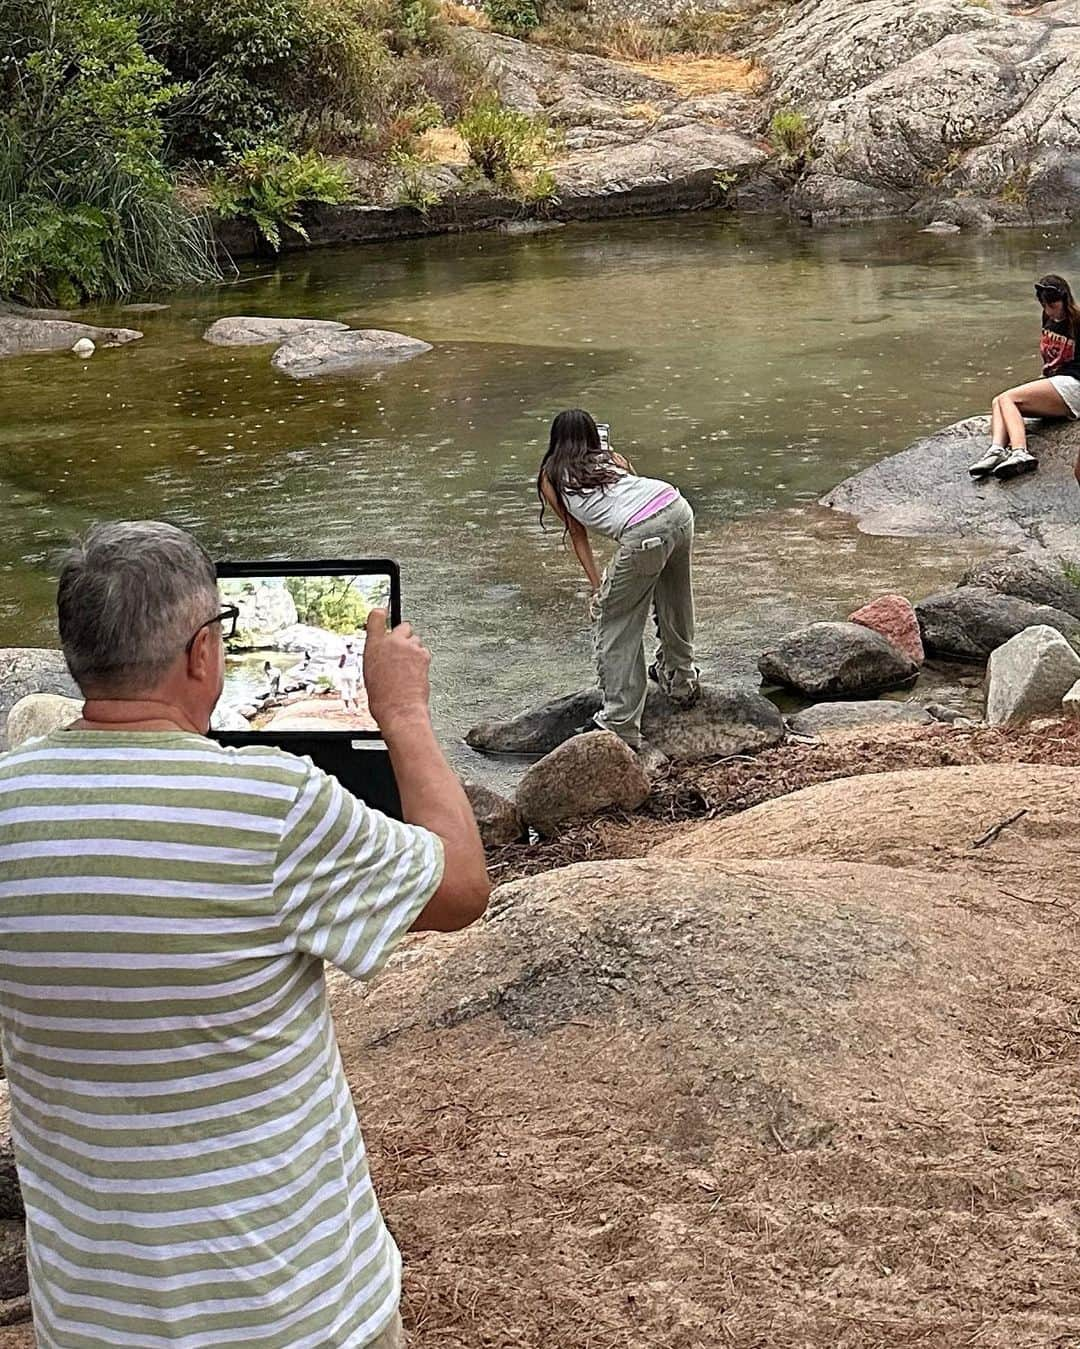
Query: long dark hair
x,y
1072,314
576,461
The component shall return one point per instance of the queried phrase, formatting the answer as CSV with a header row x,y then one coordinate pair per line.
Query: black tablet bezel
x,y
365,566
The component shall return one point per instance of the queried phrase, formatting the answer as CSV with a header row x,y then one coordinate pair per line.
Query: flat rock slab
x,y
1029,676
27,336
725,720
971,621
587,774
31,669
837,660
246,331
825,718
925,490
322,353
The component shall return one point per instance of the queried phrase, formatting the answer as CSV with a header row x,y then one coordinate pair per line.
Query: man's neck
x,y
135,714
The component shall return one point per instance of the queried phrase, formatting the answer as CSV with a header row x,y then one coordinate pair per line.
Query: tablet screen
x,y
295,663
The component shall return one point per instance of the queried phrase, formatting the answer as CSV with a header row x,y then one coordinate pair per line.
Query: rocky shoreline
x,y
931,110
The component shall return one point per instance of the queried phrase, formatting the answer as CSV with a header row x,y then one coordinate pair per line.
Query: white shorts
x,y
1069,388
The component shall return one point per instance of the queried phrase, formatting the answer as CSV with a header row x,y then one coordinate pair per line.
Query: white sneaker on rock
x,y
1020,461
994,455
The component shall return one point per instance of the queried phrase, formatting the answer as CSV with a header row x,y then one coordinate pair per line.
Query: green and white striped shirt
x,y
191,1161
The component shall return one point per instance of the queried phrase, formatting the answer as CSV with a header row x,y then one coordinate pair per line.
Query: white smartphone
x,y
605,433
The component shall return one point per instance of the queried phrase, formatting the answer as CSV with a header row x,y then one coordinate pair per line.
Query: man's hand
x,y
395,672
595,606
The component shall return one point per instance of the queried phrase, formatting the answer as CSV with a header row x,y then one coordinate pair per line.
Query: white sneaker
x,y
1020,461
994,455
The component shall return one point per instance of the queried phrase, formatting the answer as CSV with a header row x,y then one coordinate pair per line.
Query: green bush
x,y
517,18
87,208
789,132
417,26
499,139
270,186
330,602
414,188
291,71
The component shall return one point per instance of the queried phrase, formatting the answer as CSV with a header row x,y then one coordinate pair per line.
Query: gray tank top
x,y
610,509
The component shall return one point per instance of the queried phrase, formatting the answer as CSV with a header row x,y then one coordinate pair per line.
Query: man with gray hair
x,y
191,1162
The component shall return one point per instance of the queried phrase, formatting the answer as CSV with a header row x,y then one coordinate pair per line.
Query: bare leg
x,y
999,434
1038,399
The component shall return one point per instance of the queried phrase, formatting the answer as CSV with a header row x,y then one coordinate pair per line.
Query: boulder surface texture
x,y
725,720
26,336
1029,676
329,353
894,617
41,714
31,669
825,718
969,622
837,660
925,490
249,331
1039,578
498,819
586,774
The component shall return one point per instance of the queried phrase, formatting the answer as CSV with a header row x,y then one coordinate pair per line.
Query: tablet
x,y
294,673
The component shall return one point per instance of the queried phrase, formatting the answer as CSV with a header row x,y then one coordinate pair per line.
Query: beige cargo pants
x,y
651,568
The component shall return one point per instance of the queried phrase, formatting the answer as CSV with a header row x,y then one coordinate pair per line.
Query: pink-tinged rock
x,y
895,619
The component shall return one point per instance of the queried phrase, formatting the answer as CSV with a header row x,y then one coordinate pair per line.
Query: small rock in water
x,y
84,348
941,227
894,617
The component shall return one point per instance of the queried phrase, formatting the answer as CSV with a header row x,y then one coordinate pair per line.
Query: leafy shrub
x,y
329,602
87,208
258,70
499,139
1071,571
418,25
517,18
540,189
789,132
271,185
414,189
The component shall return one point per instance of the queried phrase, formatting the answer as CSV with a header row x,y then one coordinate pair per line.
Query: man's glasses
x,y
1049,293
228,615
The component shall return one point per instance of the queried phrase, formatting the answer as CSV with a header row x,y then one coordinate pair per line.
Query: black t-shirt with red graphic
x,y
1058,349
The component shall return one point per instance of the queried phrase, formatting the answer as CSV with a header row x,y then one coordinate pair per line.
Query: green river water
x,y
752,363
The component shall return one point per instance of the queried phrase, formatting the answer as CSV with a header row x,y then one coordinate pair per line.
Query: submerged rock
x,y
323,353
587,774
245,331
30,669
724,721
837,660
20,336
926,490
969,622
1029,676
823,718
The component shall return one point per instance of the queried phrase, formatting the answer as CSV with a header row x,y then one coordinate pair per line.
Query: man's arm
x,y
396,679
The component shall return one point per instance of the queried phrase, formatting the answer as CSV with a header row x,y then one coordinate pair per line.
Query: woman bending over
x,y
590,488
1057,394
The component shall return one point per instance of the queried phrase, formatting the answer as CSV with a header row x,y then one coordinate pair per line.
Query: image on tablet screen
x,y
296,661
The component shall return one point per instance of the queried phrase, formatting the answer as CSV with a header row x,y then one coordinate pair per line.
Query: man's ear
x,y
201,655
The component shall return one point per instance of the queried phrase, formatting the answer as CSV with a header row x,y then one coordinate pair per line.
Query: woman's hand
x,y
595,606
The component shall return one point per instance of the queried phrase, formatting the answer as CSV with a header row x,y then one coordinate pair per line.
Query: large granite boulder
x,y
824,719
587,774
247,331
1029,676
21,336
925,490
971,621
322,353
937,108
1070,704
266,609
14,1280
40,714
725,720
1040,578
30,669
894,617
837,660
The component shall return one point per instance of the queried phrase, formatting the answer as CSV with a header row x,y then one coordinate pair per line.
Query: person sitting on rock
x,y
591,488
1057,394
